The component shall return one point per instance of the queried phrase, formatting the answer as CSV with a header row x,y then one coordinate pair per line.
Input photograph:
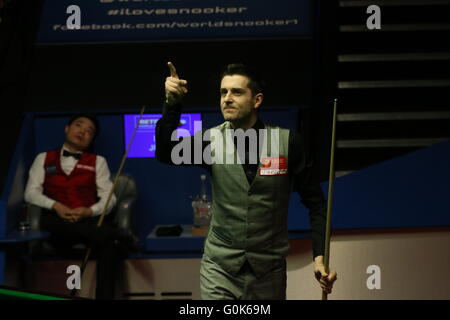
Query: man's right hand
x,y
63,211
176,88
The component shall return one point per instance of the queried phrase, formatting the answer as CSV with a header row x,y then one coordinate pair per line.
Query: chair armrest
x,y
123,215
34,216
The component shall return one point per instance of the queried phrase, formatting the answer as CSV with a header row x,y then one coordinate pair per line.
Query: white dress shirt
x,y
34,189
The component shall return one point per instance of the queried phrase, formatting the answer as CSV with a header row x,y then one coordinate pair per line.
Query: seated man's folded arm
x,y
34,190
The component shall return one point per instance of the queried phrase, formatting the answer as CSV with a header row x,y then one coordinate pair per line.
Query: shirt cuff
x,y
49,204
96,210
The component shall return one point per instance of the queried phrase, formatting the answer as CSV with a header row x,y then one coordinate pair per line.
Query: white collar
x,y
64,147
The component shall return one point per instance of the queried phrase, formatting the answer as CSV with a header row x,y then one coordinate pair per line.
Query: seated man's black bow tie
x,y
71,154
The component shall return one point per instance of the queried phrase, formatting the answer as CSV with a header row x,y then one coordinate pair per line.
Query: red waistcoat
x,y
79,189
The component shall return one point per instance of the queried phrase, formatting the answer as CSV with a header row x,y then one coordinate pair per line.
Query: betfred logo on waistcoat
x,y
273,166
85,167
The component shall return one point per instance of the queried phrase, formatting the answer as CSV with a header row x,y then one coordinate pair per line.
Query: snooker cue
x,y
103,214
330,198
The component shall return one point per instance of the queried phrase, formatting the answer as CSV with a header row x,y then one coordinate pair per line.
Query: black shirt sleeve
x,y
164,145
164,128
307,184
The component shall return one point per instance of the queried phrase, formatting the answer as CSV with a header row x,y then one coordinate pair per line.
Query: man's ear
x,y
258,100
66,129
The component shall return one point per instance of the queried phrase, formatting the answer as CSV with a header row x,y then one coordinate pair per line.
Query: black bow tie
x,y
71,154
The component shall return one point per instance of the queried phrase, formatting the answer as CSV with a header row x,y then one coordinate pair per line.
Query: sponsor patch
x,y
50,169
81,166
273,166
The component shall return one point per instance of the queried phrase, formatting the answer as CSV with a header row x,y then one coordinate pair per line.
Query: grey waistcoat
x,y
249,222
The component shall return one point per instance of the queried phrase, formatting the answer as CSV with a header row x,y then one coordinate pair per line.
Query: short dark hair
x,y
89,116
256,84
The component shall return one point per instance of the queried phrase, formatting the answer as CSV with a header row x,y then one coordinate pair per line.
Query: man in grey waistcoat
x,y
247,243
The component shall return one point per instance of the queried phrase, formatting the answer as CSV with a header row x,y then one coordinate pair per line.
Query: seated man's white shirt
x,y
34,189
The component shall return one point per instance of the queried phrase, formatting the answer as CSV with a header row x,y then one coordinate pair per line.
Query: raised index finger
x,y
173,71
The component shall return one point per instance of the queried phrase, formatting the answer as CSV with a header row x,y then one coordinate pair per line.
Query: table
x,y
19,239
9,293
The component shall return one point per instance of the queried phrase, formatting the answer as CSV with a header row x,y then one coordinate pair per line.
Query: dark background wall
x,y
129,75
18,25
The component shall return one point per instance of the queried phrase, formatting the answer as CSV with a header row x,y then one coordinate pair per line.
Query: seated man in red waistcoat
x,y
72,186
